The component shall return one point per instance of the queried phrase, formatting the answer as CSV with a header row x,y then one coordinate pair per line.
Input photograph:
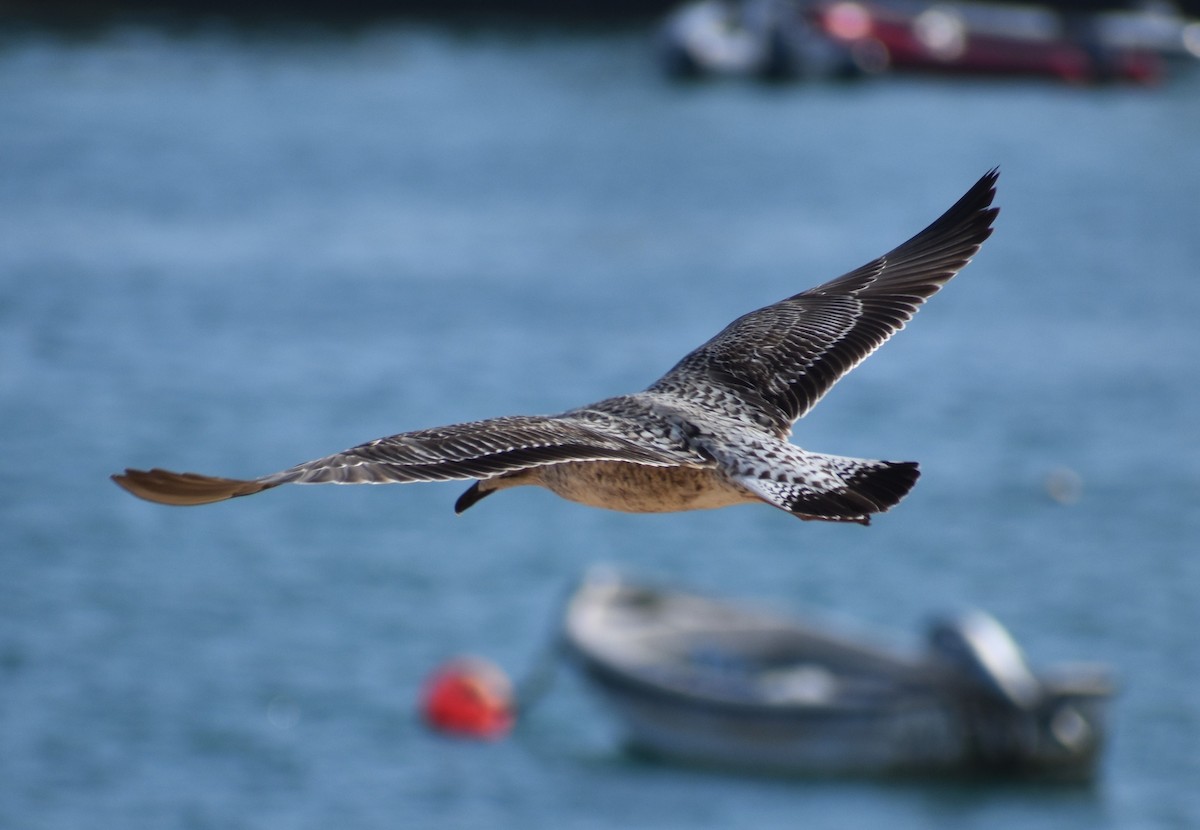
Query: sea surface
x,y
230,251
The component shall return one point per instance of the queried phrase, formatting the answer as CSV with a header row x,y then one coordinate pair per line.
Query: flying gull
x,y
711,432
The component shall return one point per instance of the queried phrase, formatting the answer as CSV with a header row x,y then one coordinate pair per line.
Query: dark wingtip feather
x,y
965,226
184,489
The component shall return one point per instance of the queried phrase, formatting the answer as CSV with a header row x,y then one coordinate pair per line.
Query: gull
x,y
712,432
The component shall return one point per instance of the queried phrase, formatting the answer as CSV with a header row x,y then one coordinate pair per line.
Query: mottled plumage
x,y
711,432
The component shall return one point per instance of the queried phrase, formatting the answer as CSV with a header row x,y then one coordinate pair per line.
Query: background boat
x,y
782,39
711,682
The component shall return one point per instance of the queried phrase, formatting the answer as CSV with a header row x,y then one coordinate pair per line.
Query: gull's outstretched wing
x,y
769,367
476,450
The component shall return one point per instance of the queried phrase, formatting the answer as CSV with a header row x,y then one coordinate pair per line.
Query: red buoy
x,y
469,697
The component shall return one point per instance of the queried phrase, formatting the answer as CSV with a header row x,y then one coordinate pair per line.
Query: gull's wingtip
x,y
183,489
987,184
983,191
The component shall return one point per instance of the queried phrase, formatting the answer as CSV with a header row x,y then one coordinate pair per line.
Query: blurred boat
x,y
983,39
780,39
765,39
704,681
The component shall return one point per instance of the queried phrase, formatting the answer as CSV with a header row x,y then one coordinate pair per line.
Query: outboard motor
x,y
981,648
998,697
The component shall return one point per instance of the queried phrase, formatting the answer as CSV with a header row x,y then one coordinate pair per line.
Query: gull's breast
x,y
639,488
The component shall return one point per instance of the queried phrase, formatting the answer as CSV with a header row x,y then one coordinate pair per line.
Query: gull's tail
x,y
833,488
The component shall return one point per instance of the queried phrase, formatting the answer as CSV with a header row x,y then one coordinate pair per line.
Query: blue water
x,y
229,252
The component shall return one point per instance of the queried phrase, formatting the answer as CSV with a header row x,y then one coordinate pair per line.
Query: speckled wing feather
x,y
476,450
479,449
769,367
